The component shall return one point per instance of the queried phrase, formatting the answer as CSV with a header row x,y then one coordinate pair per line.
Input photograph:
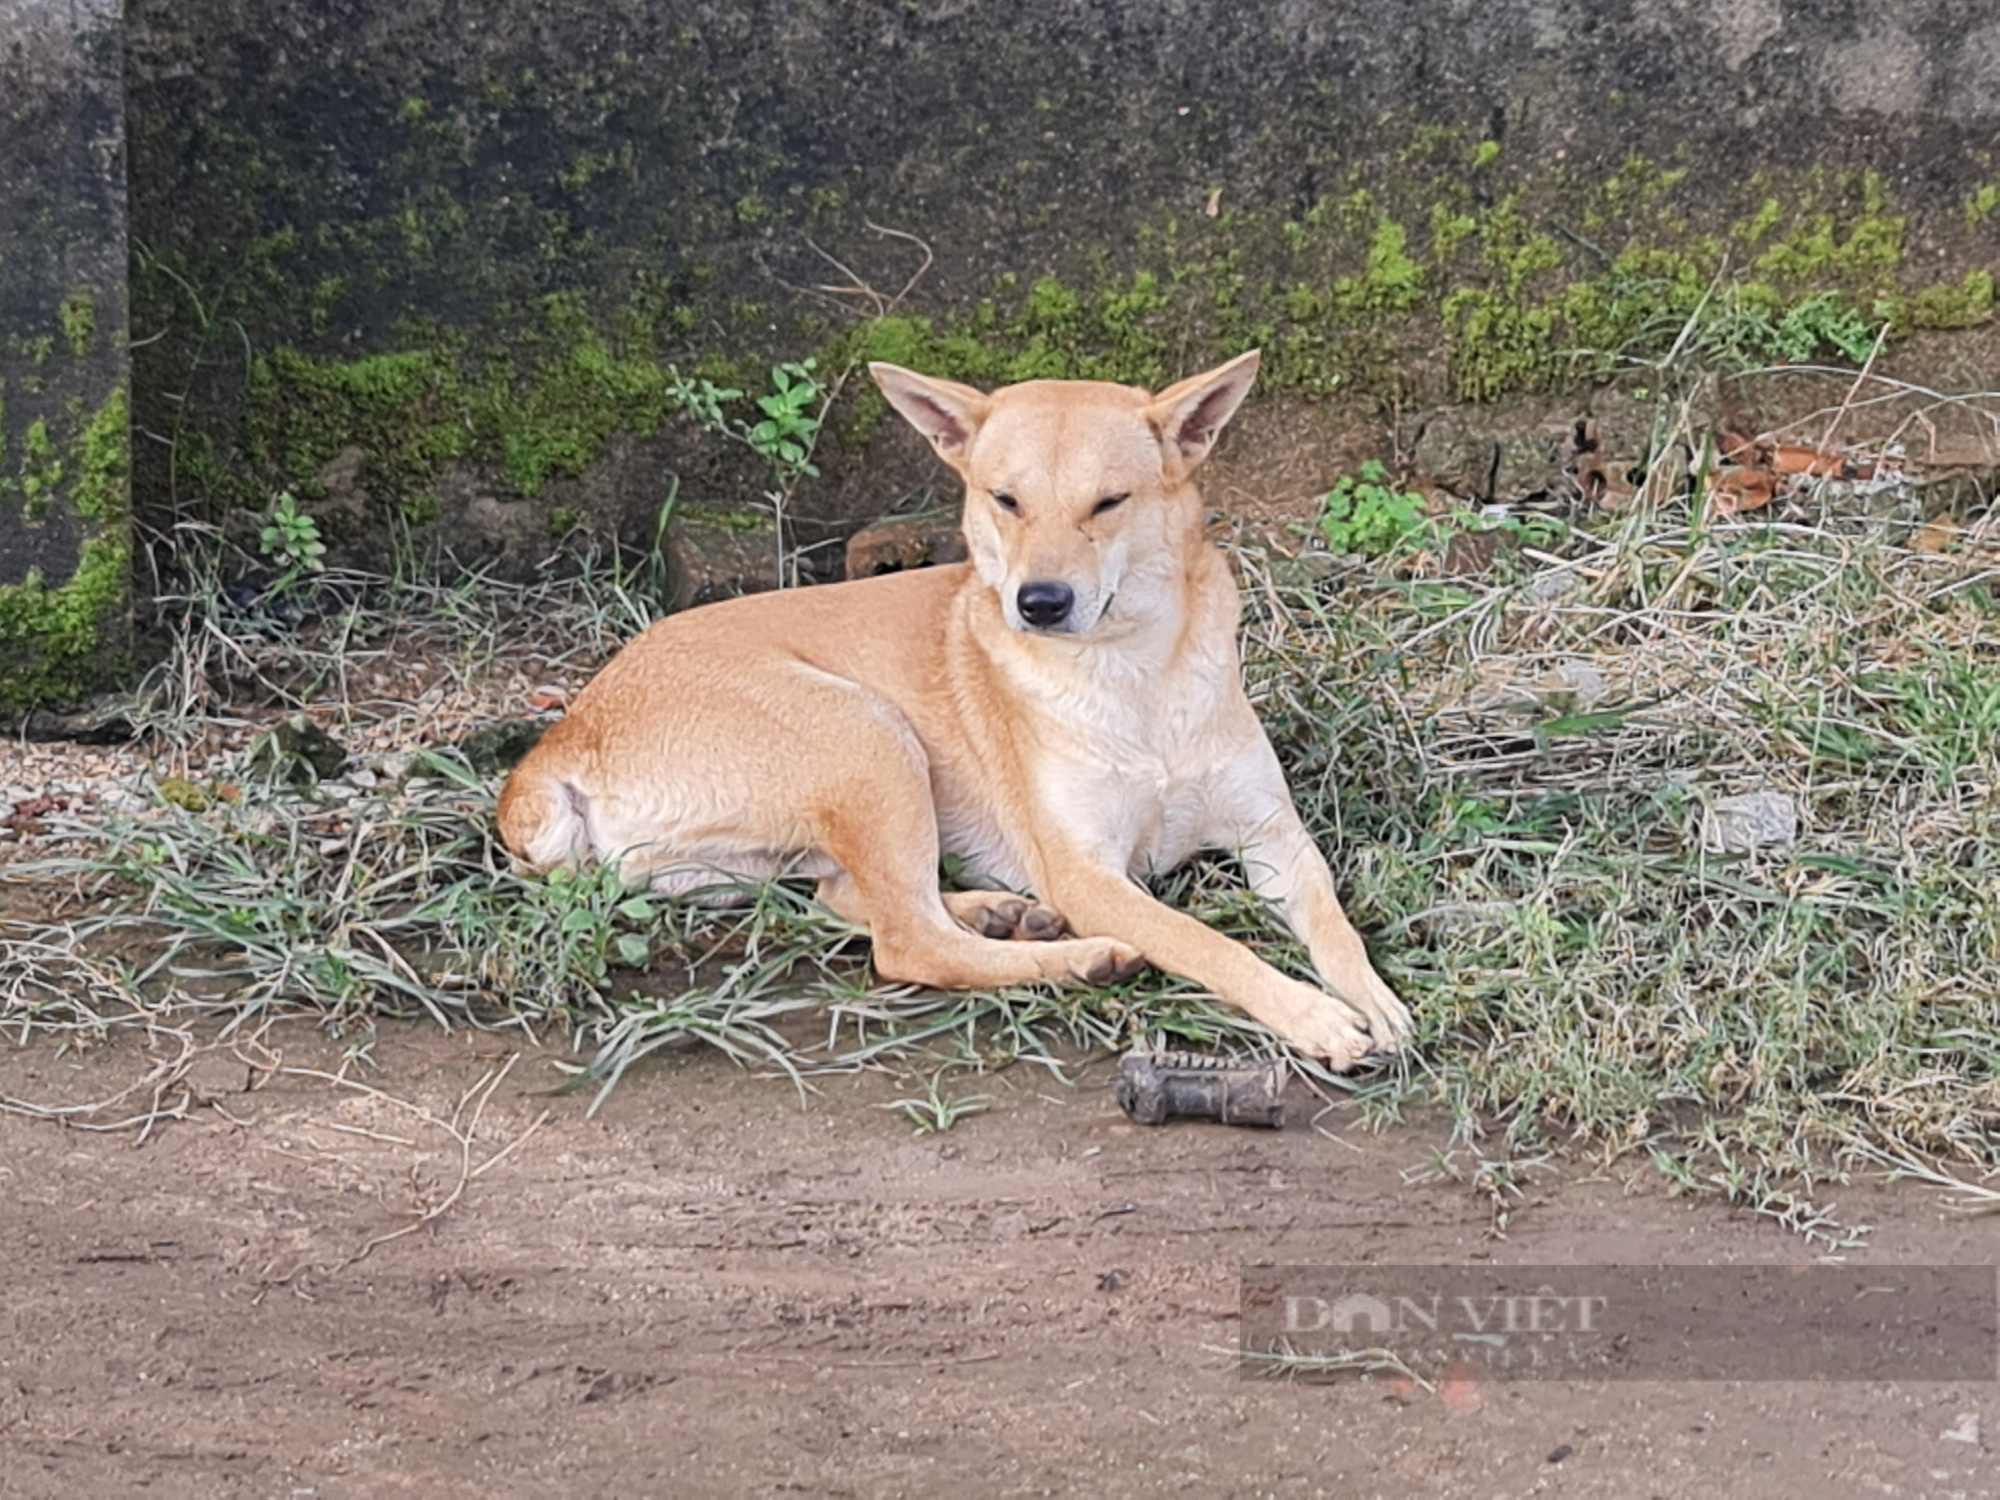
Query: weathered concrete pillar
x,y
65,533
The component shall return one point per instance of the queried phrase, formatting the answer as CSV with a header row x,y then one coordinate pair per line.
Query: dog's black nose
x,y
1045,605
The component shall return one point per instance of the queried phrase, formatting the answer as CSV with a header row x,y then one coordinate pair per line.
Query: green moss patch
x,y
59,642
526,334
54,639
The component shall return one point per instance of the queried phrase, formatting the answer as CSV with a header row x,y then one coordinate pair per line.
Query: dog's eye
x,y
1007,503
1108,503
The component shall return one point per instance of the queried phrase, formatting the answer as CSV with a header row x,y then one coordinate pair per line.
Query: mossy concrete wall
x,y
65,539
449,267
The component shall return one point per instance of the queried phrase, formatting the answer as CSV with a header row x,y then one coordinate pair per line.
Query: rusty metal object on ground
x,y
1155,1087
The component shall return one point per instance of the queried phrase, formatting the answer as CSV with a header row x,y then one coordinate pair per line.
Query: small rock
x,y
393,766
898,545
1451,919
492,748
1754,820
1964,1430
1552,585
1571,686
100,721
297,751
717,555
1304,569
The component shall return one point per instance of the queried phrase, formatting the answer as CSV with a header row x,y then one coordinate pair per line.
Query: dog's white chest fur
x,y
1133,770
1146,800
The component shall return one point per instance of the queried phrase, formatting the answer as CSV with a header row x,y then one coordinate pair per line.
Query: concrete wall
x,y
535,206
64,533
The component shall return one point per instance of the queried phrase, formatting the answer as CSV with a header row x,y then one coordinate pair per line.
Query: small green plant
x,y
791,422
1820,322
1366,514
590,913
701,399
793,412
291,539
932,1113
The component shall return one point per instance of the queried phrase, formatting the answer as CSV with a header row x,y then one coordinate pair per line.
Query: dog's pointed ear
x,y
1190,416
947,413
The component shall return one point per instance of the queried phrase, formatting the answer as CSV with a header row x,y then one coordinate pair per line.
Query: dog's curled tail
x,y
542,819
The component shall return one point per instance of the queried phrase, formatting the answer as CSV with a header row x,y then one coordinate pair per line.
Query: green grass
x,y
1512,770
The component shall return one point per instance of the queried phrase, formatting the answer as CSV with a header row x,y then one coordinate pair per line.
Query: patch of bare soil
x,y
709,1290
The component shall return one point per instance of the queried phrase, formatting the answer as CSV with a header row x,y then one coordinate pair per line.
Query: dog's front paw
x,y
1389,1020
1323,1027
1101,961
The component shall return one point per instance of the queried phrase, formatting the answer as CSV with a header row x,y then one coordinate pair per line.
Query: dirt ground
x,y
710,1290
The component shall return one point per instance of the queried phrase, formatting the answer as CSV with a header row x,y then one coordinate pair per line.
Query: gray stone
x,y
500,746
716,556
1571,687
100,720
1752,820
392,766
298,751
336,179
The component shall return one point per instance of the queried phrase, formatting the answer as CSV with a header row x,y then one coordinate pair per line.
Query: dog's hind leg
x,y
1004,915
882,834
918,941
1000,915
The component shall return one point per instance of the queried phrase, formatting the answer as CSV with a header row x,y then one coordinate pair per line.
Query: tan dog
x,y
1065,712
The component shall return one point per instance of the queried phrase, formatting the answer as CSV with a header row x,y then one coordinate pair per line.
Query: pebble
x,y
1964,1430
1752,820
1554,585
